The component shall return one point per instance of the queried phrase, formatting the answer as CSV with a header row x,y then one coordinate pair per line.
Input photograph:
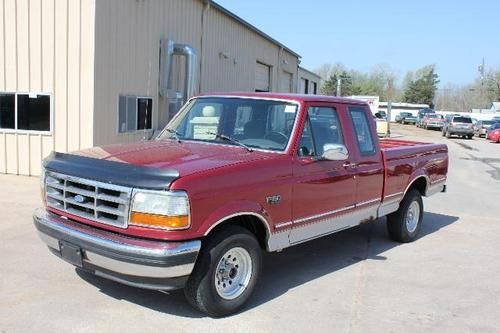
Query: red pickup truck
x,y
230,176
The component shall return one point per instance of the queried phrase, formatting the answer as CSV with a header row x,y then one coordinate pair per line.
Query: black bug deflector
x,y
111,172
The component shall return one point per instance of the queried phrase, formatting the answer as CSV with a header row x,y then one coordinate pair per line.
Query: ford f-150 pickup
x,y
230,176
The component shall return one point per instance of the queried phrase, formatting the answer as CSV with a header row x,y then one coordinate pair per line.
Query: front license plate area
x,y
71,253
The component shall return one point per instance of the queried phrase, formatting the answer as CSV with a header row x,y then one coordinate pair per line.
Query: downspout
x,y
206,7
280,65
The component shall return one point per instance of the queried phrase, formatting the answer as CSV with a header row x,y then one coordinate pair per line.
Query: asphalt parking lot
x,y
354,281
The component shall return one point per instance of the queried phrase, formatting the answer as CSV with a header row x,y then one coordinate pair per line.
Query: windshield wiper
x,y
175,133
230,139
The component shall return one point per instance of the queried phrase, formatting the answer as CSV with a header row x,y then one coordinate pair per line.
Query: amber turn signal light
x,y
159,221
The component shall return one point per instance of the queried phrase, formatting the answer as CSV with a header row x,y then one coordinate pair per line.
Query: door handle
x,y
349,165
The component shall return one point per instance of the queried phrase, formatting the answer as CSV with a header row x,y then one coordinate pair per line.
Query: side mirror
x,y
335,152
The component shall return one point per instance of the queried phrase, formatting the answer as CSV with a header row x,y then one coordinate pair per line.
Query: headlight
x,y
164,210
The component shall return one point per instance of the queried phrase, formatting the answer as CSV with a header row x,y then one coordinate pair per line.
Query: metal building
x,y
81,73
309,82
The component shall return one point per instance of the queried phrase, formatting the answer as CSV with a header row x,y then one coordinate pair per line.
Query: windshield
x,y
466,120
256,123
487,122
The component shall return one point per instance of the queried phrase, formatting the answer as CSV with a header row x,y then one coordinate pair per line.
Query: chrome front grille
x,y
92,200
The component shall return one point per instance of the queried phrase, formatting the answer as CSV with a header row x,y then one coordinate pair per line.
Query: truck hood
x,y
185,157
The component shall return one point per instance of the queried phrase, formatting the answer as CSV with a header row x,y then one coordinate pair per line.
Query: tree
x,y
423,88
329,86
356,82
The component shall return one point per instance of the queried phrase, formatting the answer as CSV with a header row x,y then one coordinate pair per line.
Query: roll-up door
x,y
286,82
262,77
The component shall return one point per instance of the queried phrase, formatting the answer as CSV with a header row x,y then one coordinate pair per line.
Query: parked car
x,y
494,133
421,114
433,121
406,118
481,127
195,207
381,115
458,125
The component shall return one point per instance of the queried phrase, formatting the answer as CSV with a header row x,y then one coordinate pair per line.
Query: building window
x,y
25,112
315,88
134,113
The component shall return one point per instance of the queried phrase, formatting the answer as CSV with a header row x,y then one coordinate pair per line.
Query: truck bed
x,y
406,160
394,143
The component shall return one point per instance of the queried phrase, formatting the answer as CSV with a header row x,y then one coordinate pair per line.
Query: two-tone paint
x,y
315,197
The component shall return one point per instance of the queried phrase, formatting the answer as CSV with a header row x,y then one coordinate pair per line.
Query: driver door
x,y
323,189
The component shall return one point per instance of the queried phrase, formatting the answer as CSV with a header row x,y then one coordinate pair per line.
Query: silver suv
x,y
458,125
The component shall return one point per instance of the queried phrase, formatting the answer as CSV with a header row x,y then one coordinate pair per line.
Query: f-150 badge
x,y
273,199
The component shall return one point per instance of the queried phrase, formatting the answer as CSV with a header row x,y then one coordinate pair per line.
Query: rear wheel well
x,y
420,184
250,222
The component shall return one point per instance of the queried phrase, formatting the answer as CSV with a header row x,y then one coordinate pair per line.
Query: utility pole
x,y
339,84
480,69
389,104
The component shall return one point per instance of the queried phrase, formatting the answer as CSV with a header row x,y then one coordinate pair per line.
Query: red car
x,y
433,121
494,133
232,175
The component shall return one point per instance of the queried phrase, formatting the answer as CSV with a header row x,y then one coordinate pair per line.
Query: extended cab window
x,y
362,131
321,129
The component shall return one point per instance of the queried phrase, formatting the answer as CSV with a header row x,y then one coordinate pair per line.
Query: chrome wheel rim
x,y
233,273
412,216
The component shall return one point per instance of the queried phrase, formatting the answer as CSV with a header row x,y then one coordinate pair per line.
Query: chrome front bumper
x,y
149,264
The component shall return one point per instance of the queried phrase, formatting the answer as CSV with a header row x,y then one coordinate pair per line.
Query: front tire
x,y
225,273
404,224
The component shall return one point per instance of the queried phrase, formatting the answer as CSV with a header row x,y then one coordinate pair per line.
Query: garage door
x,y
286,82
262,77
304,85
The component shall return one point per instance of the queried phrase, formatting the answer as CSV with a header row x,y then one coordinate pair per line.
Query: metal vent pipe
x,y
168,49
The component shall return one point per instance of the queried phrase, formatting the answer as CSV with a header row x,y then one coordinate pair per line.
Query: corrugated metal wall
x,y
47,46
225,37
85,53
128,34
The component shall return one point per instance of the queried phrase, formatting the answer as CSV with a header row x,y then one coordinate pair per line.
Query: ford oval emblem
x,y
79,198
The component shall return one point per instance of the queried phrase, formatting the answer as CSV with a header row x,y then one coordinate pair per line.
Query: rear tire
x,y
469,137
225,273
404,224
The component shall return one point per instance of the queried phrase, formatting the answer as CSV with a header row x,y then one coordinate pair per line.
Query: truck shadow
x,y
285,270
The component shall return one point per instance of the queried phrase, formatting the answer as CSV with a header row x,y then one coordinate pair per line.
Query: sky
x,y
407,35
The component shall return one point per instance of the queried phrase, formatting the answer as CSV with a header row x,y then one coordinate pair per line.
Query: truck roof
x,y
286,96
